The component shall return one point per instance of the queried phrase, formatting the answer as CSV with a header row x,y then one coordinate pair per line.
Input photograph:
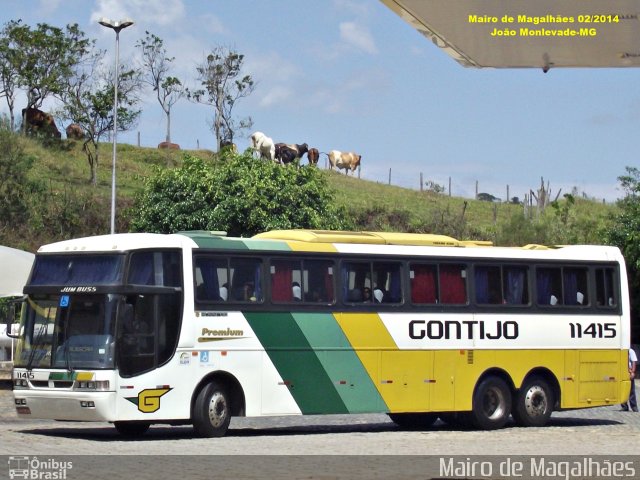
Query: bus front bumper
x,y
73,406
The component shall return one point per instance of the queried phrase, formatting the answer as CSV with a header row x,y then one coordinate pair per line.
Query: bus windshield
x,y
78,269
67,331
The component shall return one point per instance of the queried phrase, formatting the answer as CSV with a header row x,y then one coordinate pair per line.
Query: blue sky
x,y
351,75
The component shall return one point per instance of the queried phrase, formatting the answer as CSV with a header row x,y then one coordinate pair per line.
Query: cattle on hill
x,y
37,121
288,153
349,161
74,132
263,145
169,146
313,155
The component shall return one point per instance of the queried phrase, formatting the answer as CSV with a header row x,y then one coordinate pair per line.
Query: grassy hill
x,y
64,171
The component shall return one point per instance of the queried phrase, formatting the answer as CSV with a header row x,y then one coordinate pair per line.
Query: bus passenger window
x,y
515,285
606,295
318,281
356,276
488,285
211,279
423,283
575,286
245,276
549,286
453,285
285,281
387,286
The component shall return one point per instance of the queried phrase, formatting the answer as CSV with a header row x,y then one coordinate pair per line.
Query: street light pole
x,y
116,27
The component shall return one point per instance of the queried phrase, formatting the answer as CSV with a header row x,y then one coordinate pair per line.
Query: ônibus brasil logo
x,y
38,468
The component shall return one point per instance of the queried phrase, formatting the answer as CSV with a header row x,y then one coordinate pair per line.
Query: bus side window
x,y
575,286
605,288
424,288
246,279
453,285
210,278
516,285
488,285
549,286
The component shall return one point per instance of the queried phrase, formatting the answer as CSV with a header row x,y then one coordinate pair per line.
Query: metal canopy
x,y
463,29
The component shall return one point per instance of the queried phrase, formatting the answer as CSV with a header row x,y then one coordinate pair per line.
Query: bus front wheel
x,y
212,411
533,403
491,404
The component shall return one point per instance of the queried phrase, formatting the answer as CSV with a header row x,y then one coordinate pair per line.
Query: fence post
x,y
389,176
138,138
421,183
449,186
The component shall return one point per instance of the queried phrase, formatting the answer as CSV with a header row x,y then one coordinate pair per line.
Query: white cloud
x,y
358,36
275,95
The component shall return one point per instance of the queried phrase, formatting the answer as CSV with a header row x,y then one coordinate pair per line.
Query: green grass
x,y
64,165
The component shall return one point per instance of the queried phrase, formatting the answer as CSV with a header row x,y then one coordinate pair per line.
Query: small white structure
x,y
15,266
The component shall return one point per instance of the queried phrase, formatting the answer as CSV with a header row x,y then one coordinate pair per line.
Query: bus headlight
x,y
99,386
20,383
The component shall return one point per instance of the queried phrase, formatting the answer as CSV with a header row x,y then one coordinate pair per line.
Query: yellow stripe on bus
x,y
402,377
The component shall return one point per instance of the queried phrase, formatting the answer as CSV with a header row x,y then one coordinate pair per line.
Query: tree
x,y
624,233
88,102
45,58
224,84
9,69
242,196
168,89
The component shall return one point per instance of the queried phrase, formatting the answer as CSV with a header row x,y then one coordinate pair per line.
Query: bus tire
x,y
491,404
212,411
131,429
414,420
533,403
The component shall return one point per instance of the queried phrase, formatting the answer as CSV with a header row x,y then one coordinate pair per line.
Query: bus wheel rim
x,y
494,403
535,401
217,409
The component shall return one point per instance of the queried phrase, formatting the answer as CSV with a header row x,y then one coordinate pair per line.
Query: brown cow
x,y
313,155
346,160
169,145
74,132
39,121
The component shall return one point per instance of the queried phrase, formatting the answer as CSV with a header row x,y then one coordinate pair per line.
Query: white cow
x,y
263,145
348,161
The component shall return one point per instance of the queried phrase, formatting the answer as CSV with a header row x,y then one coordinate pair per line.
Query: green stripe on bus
x,y
351,380
296,363
207,240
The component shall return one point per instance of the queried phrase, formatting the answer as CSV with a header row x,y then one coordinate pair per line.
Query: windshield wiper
x,y
36,343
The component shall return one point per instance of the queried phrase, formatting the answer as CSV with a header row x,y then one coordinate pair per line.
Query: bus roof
x,y
375,238
325,241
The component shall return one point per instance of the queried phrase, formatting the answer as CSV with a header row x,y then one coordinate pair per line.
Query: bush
x,y
242,196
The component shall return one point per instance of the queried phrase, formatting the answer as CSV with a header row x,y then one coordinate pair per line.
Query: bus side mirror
x,y
11,316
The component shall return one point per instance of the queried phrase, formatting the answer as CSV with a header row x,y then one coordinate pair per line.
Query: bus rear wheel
x,y
491,404
413,420
533,403
212,411
131,429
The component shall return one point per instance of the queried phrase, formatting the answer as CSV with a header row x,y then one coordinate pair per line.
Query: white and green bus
x,y
194,328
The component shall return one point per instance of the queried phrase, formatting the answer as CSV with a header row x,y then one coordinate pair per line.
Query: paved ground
x,y
597,431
